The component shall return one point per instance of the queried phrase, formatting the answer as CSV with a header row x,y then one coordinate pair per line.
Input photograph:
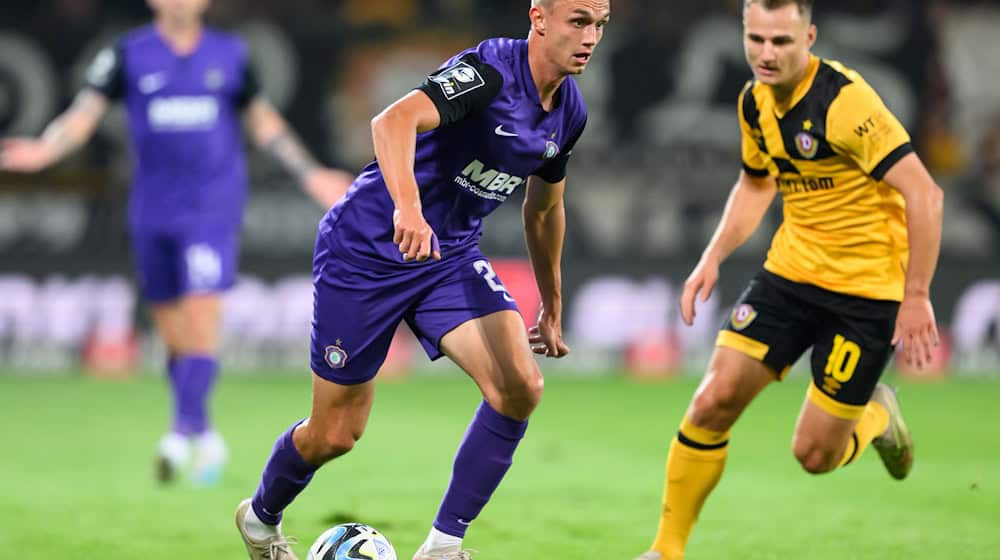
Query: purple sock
x,y
176,379
197,376
285,475
483,458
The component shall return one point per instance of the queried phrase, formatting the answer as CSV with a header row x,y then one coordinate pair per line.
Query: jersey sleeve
x,y
860,126
465,86
752,150
554,170
106,73
249,85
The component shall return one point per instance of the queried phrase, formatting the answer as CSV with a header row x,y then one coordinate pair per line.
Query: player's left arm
x,y
862,127
544,230
915,324
271,133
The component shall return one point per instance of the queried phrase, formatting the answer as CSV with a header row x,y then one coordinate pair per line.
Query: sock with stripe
x,y
873,422
694,466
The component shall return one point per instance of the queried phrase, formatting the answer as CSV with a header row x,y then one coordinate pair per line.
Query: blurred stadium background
x,y
646,188
647,184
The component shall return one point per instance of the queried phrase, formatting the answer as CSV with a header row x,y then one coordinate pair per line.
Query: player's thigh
x,y
469,315
356,311
731,382
852,350
458,290
201,316
168,318
766,332
494,351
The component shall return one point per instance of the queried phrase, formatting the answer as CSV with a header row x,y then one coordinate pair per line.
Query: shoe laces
x,y
460,555
275,545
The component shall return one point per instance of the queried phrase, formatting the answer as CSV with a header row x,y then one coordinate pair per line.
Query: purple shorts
x,y
174,264
357,307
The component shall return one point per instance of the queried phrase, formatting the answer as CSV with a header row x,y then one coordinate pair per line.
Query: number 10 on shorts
x,y
843,359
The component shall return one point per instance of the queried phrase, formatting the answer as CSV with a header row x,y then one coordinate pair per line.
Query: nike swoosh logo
x,y
501,132
151,83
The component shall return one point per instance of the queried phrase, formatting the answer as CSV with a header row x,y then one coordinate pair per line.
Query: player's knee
x,y
716,404
521,392
328,445
337,444
815,459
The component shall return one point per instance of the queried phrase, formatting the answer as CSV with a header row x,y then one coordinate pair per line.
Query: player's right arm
x,y
72,129
394,133
64,135
748,202
455,91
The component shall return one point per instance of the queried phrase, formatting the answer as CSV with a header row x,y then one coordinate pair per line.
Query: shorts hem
x,y
326,375
833,406
433,348
752,348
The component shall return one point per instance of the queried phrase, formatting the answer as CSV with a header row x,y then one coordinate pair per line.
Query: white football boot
x,y
455,554
210,456
172,457
276,547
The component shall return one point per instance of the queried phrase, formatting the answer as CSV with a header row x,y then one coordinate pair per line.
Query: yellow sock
x,y
874,420
694,466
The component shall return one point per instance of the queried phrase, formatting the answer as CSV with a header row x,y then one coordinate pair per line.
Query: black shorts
x,y
776,320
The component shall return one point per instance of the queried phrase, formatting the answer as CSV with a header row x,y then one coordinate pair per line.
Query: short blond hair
x,y
545,3
805,6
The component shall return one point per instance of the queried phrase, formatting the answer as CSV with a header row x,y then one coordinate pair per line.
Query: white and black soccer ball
x,y
351,541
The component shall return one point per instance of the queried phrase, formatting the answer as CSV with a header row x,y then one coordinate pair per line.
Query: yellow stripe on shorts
x,y
836,408
753,348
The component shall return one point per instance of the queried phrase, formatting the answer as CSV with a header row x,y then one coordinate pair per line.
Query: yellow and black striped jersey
x,y
829,147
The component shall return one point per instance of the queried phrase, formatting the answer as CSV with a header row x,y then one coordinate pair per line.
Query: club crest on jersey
x,y
335,356
551,150
742,316
807,144
214,78
458,79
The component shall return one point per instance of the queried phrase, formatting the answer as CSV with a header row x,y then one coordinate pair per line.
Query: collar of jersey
x,y
528,82
800,90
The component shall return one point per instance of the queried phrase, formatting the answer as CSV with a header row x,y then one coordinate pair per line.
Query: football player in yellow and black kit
x,y
848,272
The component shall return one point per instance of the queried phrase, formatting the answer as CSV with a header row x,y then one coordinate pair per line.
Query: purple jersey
x,y
184,122
494,133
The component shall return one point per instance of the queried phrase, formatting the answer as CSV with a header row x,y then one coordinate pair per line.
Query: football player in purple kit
x,y
403,245
185,87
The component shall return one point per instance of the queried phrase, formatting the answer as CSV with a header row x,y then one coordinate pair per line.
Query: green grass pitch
x,y
76,474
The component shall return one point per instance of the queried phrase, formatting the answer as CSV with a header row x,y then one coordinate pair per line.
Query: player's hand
x,y
327,186
414,236
546,337
916,330
25,155
702,280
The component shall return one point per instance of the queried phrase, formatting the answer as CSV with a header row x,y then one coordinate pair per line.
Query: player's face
x,y
184,11
777,43
571,30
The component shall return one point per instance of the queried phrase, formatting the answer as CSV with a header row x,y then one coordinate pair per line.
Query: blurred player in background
x,y
848,273
185,88
403,245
